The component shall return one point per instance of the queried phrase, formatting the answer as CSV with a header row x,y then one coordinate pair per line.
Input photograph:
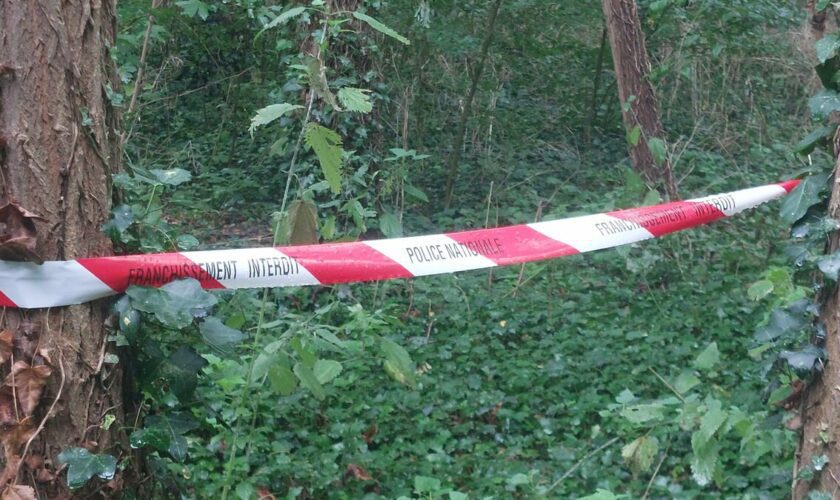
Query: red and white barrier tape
x,y
61,283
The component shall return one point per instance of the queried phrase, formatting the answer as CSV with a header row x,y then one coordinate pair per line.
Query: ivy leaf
x,y
827,46
824,103
657,149
810,141
193,8
355,99
821,5
270,113
378,26
308,379
327,147
708,358
781,322
218,335
167,429
830,265
83,465
397,363
634,135
326,370
172,176
805,360
174,304
805,195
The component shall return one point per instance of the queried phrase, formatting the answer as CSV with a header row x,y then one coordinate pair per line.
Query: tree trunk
x,y
639,105
820,406
59,145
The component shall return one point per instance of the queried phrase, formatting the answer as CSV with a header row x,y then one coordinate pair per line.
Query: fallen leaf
x,y
18,492
28,382
5,345
794,423
18,236
11,471
358,472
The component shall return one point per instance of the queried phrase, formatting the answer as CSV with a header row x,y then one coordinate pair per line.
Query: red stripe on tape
x,y
345,262
670,217
146,270
6,301
512,245
789,185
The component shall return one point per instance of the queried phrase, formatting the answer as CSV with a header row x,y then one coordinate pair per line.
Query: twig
x,y
668,385
655,473
579,463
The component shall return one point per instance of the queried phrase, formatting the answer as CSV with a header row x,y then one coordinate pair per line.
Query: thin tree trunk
x,y
461,131
596,87
59,145
640,107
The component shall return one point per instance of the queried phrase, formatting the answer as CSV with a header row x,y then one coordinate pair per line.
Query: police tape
x,y
62,283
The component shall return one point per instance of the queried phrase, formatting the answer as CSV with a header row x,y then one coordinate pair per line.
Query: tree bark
x,y
640,107
820,406
59,145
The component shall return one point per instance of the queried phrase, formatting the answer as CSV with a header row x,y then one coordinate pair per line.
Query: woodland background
x,y
668,369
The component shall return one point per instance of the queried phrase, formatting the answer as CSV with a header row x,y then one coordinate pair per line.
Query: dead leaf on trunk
x,y
5,345
18,492
18,236
15,437
28,382
8,415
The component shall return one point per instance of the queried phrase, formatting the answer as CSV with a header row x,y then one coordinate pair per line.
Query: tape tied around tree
x,y
62,283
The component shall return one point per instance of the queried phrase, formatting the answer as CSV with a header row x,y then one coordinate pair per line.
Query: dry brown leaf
x,y
8,415
370,433
5,345
263,493
18,492
11,471
18,236
358,472
28,382
17,435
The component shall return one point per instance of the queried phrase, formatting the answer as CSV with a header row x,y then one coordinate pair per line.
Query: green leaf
x,y
634,135
600,494
219,336
326,370
821,5
810,141
390,225
172,176
708,358
657,149
424,484
318,82
303,223
270,113
308,379
830,265
355,99
704,460
824,103
378,26
639,454
173,425
781,323
710,423
282,379
760,289
174,304
685,382
281,19
327,147
827,46
83,465
397,363
193,8
415,193
642,413
805,195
